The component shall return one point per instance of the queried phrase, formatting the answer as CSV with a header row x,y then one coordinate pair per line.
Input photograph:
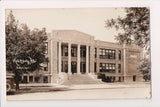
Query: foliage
x,y
23,43
134,27
145,68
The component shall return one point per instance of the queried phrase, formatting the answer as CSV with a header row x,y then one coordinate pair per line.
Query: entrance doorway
x,y
134,77
83,68
74,67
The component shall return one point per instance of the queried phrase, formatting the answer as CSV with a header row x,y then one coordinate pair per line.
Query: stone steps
x,y
81,79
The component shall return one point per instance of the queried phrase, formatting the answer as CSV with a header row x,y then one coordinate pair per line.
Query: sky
x,y
87,20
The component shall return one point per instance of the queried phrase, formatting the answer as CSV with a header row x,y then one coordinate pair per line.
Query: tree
x,y
145,68
25,48
134,28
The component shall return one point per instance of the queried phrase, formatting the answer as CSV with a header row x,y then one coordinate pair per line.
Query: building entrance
x,y
83,68
134,77
74,67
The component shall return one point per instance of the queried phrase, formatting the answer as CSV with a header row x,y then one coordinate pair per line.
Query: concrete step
x,y
81,79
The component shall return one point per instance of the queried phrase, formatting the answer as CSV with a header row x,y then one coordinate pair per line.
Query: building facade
x,y
72,52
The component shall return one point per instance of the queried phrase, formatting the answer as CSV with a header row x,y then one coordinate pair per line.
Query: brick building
x,y
72,52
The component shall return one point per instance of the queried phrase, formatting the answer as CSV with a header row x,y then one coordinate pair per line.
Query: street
x,y
130,91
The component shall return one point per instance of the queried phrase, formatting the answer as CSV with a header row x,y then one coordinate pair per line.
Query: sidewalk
x,y
31,88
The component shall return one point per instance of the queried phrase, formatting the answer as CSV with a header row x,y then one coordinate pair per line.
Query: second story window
x,y
95,52
119,68
119,54
107,54
73,51
65,51
83,52
46,67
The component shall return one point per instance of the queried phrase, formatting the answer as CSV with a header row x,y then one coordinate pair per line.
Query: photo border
x,y
154,23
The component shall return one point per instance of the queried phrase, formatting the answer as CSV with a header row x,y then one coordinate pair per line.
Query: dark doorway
x,y
30,78
66,67
45,79
74,67
36,79
25,79
83,67
134,77
108,79
95,67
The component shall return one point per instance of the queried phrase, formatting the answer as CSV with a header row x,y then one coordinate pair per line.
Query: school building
x,y
74,53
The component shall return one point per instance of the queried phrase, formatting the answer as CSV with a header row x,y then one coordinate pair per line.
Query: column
x,y
27,78
78,59
124,56
54,60
59,64
87,59
69,58
117,60
92,58
97,61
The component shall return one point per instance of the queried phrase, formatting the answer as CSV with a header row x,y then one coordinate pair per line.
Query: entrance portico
x,y
72,52
73,58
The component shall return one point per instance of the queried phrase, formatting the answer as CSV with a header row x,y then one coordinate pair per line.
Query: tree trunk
x,y
17,84
17,78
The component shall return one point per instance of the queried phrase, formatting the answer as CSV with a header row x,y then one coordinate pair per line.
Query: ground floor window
x,y
73,67
45,79
36,79
66,66
134,77
119,79
30,78
95,67
119,68
110,79
24,79
107,67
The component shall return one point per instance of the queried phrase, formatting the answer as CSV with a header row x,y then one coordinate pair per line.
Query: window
x,y
107,54
66,66
83,51
107,67
25,79
46,67
61,66
62,50
119,79
119,68
45,79
65,51
30,78
73,51
36,79
119,54
134,77
95,67
95,52
100,52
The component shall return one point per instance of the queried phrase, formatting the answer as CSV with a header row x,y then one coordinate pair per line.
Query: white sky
x,y
87,20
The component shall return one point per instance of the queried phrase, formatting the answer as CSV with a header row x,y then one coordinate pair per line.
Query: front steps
x,y
75,79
